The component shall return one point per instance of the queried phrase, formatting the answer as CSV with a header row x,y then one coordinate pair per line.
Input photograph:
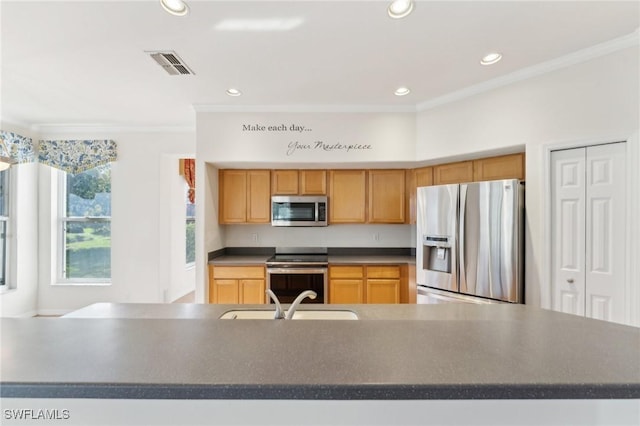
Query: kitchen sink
x,y
298,315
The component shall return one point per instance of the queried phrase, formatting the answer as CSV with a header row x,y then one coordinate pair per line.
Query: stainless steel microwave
x,y
303,210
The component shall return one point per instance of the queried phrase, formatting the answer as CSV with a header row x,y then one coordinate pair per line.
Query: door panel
x,y
588,228
568,230
606,232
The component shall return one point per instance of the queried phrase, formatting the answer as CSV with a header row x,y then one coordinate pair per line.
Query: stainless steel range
x,y
293,270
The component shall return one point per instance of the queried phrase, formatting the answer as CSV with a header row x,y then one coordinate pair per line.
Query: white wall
x,y
143,259
592,101
175,278
22,297
373,137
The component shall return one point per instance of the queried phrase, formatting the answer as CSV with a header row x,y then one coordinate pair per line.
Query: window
x,y
86,225
190,229
4,225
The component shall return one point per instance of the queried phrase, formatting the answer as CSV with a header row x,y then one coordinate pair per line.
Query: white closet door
x,y
606,232
568,230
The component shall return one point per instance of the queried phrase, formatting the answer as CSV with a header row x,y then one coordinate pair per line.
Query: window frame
x,y
192,219
61,278
6,217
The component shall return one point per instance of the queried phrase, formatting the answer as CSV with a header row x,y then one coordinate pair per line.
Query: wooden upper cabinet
x,y
299,182
244,196
502,167
258,196
453,173
347,196
416,178
284,182
423,176
313,182
232,196
387,196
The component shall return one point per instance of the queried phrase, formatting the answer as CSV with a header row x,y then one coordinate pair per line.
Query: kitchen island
x,y
393,353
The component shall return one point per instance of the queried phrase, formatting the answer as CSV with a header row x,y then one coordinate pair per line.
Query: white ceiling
x,y
84,62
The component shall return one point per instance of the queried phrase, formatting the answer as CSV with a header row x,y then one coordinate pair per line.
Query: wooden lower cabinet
x,y
346,284
383,284
355,284
237,284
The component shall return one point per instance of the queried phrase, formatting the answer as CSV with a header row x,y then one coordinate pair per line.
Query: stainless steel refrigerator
x,y
470,240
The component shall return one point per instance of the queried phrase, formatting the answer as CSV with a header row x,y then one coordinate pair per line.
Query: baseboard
x,y
27,314
53,312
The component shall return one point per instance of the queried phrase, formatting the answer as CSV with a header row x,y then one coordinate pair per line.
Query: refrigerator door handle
x,y
461,238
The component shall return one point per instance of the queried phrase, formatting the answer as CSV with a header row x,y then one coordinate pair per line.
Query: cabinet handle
x,y
570,280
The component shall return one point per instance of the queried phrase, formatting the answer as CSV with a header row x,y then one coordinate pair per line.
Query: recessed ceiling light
x,y
491,58
233,92
175,7
400,8
402,91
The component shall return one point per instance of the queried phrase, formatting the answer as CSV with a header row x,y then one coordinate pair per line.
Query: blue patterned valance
x,y
76,156
19,148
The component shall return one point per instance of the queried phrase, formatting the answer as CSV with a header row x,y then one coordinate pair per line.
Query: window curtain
x,y
188,170
77,156
19,148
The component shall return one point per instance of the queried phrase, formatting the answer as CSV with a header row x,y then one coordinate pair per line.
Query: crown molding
x,y
75,128
304,108
570,59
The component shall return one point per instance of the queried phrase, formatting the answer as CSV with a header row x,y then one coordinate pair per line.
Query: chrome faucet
x,y
278,314
292,309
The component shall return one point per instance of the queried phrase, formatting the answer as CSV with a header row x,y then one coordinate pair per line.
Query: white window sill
x,y
7,290
82,284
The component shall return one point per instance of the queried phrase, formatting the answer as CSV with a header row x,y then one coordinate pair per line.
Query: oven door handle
x,y
296,270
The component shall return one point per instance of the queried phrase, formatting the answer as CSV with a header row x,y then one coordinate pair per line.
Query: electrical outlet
x,y
254,237
376,237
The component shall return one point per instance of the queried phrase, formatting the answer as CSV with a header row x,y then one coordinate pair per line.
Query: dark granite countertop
x,y
333,259
448,351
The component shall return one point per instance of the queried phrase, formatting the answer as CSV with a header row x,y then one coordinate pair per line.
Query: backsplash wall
x,y
330,236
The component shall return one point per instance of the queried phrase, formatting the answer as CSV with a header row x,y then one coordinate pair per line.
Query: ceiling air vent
x,y
171,63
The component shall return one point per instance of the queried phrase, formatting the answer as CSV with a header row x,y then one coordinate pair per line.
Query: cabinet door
x,y
313,182
252,291
453,173
502,167
226,291
424,176
416,178
284,182
258,196
386,196
383,271
383,290
232,196
347,196
343,290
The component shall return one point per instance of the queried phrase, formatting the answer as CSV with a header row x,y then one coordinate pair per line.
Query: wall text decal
x,y
320,145
297,146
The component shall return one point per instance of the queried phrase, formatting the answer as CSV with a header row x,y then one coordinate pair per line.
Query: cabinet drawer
x,y
239,272
383,272
346,272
